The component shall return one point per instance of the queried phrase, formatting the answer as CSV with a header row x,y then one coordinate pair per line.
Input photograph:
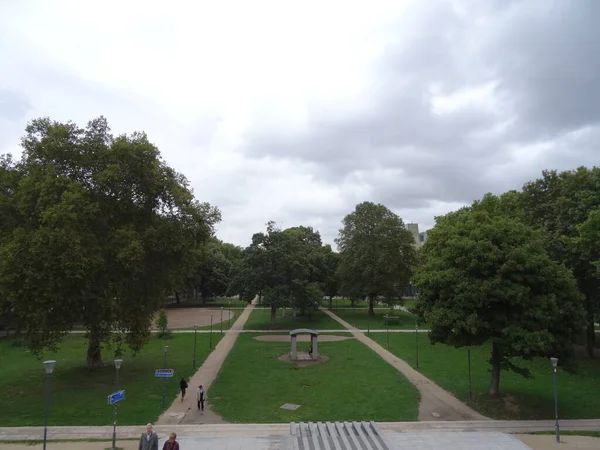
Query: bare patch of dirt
x,y
188,317
305,362
300,338
511,404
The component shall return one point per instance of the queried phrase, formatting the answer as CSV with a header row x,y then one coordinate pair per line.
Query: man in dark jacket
x,y
183,386
149,439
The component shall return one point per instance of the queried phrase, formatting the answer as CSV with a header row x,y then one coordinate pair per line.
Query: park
x,y
113,297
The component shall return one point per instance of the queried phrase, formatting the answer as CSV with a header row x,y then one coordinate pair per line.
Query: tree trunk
x,y
94,358
330,302
496,359
590,333
177,297
203,295
371,306
273,315
259,298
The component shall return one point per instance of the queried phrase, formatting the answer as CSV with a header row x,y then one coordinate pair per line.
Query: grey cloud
x,y
544,56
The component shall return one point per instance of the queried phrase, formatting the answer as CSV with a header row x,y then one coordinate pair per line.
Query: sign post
x,y
116,397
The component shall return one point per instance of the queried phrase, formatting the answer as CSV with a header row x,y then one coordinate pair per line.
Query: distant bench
x,y
391,320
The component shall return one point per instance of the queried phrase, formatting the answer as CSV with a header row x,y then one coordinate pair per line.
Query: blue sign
x,y
164,373
116,397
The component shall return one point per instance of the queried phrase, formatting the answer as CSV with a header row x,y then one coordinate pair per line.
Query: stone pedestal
x,y
294,352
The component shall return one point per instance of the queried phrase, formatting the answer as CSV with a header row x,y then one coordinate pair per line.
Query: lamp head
x,y
49,366
165,348
554,362
118,363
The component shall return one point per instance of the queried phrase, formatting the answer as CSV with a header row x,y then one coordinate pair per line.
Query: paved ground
x,y
186,411
188,317
436,403
424,440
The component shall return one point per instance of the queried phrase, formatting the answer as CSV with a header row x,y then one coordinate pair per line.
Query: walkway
x,y
186,412
272,429
436,403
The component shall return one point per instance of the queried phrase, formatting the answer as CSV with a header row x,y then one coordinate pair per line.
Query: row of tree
x,y
292,267
520,270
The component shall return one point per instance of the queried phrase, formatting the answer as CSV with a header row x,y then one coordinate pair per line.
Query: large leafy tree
x,y
331,282
99,224
487,277
284,266
377,254
561,203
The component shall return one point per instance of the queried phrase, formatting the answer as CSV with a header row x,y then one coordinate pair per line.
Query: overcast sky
x,y
297,111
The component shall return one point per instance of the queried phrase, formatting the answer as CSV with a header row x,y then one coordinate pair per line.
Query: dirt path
x,y
436,403
186,411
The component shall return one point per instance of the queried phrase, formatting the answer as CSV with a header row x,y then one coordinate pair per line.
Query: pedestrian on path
x,y
200,397
171,444
183,386
149,439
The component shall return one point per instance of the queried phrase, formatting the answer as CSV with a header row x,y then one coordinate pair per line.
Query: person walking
x,y
149,439
200,397
171,444
183,386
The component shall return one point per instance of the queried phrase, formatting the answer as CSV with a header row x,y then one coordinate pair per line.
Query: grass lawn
x,y
260,319
79,396
354,384
578,394
361,319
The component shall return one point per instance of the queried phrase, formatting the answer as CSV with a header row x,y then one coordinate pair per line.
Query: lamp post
x,y
118,363
221,320
229,320
417,339
165,348
210,337
469,363
387,332
554,362
48,368
195,334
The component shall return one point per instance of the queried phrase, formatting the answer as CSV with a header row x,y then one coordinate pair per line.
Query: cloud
x,y
295,113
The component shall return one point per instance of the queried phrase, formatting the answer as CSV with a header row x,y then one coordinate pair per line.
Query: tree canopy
x,y
97,228
561,203
487,277
377,254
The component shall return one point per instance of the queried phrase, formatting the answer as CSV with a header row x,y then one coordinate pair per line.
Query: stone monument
x,y
313,354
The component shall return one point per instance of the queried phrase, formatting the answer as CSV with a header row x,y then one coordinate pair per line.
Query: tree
x,y
377,254
331,283
560,203
285,266
212,277
99,226
487,277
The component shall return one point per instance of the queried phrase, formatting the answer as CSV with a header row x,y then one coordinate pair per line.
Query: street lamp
x,y
195,330
118,363
554,362
469,363
210,337
221,320
417,339
165,348
48,368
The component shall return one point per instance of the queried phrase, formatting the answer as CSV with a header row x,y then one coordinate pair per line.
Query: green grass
x,y
354,384
79,396
260,319
344,303
361,319
579,397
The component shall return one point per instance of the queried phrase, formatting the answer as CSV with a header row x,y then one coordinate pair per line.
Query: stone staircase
x,y
338,436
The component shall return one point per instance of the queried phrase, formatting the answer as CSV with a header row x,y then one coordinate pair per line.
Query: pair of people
x,y
149,440
200,395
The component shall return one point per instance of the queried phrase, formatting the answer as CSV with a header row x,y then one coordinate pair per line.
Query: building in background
x,y
421,237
